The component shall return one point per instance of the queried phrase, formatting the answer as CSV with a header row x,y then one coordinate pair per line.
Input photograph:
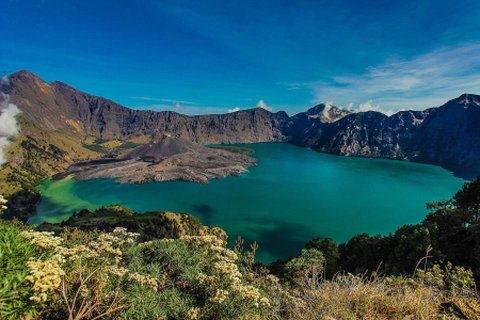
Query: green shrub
x,y
166,304
15,291
200,280
306,269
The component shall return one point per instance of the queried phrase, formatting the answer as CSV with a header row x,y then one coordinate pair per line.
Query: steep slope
x,y
59,107
450,136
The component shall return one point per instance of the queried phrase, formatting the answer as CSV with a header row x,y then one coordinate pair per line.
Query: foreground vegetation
x,y
94,275
114,264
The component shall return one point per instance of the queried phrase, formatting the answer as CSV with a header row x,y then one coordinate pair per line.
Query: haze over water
x,y
294,194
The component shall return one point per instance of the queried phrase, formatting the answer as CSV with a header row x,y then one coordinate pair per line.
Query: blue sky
x,y
214,56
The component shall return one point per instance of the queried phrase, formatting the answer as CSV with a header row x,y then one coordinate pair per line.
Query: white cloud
x,y
179,107
236,109
368,106
8,124
263,105
420,82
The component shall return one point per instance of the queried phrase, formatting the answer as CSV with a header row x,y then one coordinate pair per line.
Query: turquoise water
x,y
293,195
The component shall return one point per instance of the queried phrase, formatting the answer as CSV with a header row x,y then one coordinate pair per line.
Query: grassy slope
x,y
37,154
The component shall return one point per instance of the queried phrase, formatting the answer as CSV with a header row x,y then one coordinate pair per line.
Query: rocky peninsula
x,y
166,159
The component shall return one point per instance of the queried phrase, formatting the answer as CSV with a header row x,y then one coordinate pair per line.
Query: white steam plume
x,y
262,105
8,123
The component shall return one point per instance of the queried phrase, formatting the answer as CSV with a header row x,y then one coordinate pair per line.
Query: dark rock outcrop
x,y
450,136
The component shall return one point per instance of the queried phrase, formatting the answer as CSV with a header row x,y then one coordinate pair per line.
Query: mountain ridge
x,y
58,115
112,120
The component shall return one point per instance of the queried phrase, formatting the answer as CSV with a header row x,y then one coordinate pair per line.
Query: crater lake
x,y
291,196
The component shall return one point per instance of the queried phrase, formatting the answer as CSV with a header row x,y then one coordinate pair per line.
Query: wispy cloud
x,y
198,109
426,80
236,109
369,106
261,104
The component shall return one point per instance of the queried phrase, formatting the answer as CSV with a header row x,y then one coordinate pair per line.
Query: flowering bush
x,y
222,283
45,276
202,278
3,203
81,274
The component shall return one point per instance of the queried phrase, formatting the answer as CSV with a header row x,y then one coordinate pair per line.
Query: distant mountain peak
x,y
26,79
326,112
468,98
465,100
25,74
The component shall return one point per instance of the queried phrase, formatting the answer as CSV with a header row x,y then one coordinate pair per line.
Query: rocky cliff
x,y
61,108
448,136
